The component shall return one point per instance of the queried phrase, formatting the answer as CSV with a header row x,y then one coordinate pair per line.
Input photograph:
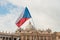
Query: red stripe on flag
x,y
21,21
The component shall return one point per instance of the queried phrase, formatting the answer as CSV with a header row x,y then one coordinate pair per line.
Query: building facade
x,y
30,33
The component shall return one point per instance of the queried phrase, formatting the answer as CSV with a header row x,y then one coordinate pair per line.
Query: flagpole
x,y
33,22
32,19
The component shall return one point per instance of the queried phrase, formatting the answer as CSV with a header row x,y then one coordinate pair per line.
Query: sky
x,y
45,14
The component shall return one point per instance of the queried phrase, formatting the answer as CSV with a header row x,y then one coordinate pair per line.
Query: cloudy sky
x,y
45,13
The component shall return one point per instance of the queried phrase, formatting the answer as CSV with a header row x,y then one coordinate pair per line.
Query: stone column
x,y
8,38
56,37
30,38
22,37
36,38
50,38
46,38
25,37
5,38
13,38
33,38
43,38
1,38
39,37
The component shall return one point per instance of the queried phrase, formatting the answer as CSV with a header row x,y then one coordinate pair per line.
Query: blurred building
x,y
30,33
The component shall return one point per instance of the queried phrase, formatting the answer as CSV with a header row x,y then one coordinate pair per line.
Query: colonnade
x,y
8,38
5,38
35,38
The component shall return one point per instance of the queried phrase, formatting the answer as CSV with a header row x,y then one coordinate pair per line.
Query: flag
x,y
24,17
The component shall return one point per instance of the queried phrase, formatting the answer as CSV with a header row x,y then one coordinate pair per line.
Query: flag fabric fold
x,y
23,18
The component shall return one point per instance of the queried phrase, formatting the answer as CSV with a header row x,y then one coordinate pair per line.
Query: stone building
x,y
30,33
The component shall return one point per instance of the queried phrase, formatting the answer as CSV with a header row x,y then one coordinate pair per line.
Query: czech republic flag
x,y
23,17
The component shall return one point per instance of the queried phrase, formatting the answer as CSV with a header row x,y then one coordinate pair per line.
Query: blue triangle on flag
x,y
26,13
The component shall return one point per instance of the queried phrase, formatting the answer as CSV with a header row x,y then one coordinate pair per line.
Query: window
x,y
14,38
9,38
27,39
19,39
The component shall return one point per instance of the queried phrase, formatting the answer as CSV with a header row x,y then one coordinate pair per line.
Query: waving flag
x,y
24,17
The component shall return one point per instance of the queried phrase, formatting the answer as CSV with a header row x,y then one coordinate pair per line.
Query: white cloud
x,y
20,2
45,11
7,21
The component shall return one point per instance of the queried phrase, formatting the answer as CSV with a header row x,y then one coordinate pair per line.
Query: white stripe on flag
x,y
21,15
